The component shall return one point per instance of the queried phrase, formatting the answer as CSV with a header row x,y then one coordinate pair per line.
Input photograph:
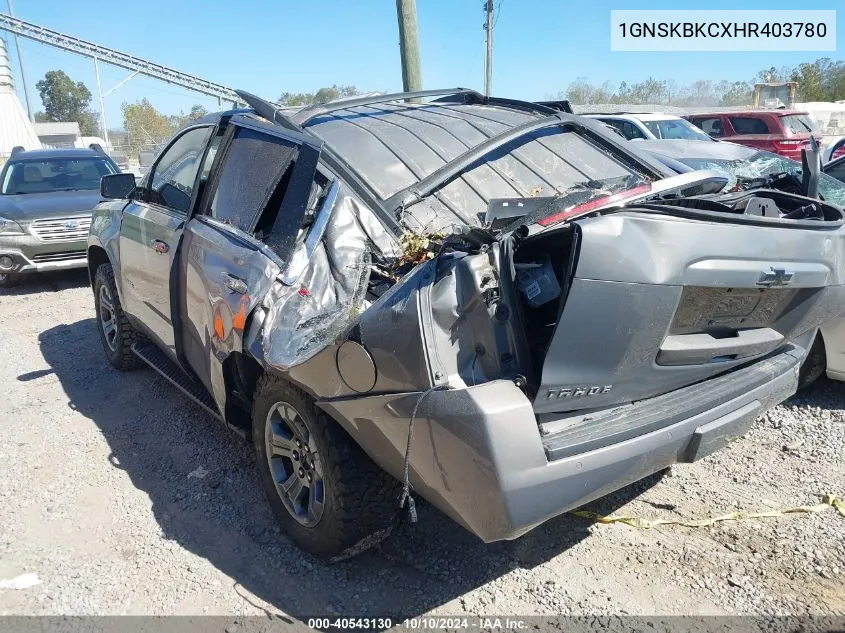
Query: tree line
x,y
67,100
821,80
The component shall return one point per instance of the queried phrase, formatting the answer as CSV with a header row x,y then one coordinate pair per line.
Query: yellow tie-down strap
x,y
827,501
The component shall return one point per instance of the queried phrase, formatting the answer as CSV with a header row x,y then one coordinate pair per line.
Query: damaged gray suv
x,y
496,306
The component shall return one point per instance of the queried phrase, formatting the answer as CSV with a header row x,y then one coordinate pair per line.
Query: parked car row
x,y
496,305
652,126
783,132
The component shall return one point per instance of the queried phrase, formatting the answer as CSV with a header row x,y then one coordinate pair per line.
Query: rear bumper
x,y
478,454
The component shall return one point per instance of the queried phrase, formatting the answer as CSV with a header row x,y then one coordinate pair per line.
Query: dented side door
x,y
255,190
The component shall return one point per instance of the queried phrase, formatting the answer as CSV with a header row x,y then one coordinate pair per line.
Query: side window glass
x,y
208,163
620,127
712,126
173,178
632,131
253,167
748,125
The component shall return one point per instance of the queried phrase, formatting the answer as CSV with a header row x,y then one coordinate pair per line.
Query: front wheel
x,y
329,497
116,332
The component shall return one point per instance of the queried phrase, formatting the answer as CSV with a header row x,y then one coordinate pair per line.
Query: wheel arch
x,y
97,256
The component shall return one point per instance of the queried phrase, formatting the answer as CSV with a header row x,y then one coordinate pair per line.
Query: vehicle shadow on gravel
x,y
47,282
206,496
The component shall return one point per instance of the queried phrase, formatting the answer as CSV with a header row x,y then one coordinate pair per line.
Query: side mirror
x,y
116,186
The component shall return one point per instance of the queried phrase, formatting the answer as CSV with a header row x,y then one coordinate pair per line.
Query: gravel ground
x,y
98,499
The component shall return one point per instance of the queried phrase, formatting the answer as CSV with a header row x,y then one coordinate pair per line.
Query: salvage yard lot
x,y
126,498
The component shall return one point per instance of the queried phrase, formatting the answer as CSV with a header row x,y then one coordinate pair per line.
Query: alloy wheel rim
x,y
107,320
295,465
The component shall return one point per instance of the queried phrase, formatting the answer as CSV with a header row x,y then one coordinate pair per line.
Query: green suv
x,y
46,198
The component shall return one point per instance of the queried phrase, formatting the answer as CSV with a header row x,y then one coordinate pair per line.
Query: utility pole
x,y
23,74
409,46
488,66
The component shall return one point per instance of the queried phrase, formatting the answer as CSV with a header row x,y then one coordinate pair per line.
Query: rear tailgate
x,y
652,302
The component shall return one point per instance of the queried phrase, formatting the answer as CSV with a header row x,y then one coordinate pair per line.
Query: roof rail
x,y
318,109
479,99
17,149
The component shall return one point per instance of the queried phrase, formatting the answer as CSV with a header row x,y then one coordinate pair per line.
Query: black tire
x,y
814,365
7,280
359,500
117,343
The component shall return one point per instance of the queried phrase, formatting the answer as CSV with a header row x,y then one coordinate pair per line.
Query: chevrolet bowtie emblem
x,y
775,277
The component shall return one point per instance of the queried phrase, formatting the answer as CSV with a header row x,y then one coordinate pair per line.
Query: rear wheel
x,y
814,365
116,332
328,496
7,280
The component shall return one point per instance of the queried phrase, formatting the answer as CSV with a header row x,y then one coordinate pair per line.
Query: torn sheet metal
x,y
308,310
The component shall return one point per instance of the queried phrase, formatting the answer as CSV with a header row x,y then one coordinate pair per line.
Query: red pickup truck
x,y
784,132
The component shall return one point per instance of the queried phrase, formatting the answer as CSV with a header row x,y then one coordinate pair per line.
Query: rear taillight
x,y
592,205
789,146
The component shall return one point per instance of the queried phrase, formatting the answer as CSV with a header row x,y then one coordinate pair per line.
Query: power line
x,y
498,13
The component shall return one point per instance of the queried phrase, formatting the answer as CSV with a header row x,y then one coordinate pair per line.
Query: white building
x,y
60,134
15,126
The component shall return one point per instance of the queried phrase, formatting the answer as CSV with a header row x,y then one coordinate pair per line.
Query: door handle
x,y
159,246
235,284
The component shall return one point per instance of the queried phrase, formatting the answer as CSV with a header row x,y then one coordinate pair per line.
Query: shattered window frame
x,y
223,159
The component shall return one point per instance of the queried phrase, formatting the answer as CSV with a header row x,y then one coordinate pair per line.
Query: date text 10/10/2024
x,y
419,624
